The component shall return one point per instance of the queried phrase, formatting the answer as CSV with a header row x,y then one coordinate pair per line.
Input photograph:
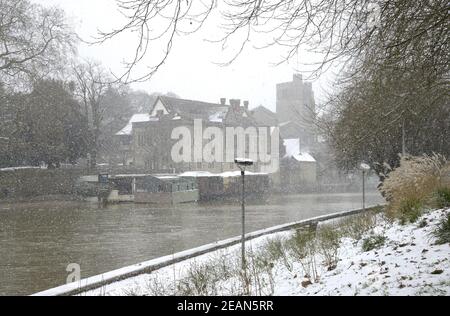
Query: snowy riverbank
x,y
404,261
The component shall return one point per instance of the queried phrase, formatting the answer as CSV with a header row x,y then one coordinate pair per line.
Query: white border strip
x,y
158,263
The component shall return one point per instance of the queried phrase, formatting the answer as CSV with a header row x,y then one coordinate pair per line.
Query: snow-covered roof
x,y
284,123
192,109
304,157
166,177
238,173
90,178
292,146
219,116
19,168
197,174
136,118
293,151
228,174
137,175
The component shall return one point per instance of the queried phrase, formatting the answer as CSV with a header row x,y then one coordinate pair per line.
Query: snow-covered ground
x,y
408,263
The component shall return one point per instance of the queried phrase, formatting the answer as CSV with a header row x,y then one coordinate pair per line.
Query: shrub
x,y
259,274
301,244
442,196
302,247
442,231
274,249
222,266
357,225
198,281
410,186
23,183
328,241
157,287
373,242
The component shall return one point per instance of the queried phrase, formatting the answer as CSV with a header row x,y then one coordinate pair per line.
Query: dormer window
x,y
159,113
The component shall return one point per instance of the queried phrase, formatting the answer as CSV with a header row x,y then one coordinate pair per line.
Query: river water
x,y
38,240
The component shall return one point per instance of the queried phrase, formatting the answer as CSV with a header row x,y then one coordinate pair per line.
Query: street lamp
x,y
242,164
364,167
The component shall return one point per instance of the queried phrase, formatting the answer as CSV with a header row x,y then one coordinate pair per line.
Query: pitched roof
x,y
293,151
292,129
264,116
145,117
212,112
192,109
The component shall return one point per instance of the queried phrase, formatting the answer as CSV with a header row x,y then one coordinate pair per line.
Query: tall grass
x,y
413,185
442,197
442,231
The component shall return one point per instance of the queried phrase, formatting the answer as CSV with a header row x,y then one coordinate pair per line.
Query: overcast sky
x,y
190,70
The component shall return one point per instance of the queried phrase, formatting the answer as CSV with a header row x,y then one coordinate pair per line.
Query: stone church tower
x,y
295,101
296,112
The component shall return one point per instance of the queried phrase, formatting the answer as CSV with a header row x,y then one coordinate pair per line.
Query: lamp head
x,y
243,162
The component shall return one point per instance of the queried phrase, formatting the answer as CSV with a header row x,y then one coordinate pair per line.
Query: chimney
x,y
298,77
223,101
246,104
235,104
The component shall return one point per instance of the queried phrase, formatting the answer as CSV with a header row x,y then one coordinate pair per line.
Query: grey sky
x,y
190,70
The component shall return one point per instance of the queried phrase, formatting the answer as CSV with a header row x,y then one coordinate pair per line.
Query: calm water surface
x,y
38,240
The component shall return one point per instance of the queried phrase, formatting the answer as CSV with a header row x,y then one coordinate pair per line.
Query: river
x,y
39,239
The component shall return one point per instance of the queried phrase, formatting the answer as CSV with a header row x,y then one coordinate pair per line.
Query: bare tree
x,y
336,29
92,83
33,40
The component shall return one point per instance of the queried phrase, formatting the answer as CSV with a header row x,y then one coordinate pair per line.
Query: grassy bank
x,y
359,255
27,184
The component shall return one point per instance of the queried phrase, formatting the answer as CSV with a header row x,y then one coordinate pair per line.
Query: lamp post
x,y
242,164
364,167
